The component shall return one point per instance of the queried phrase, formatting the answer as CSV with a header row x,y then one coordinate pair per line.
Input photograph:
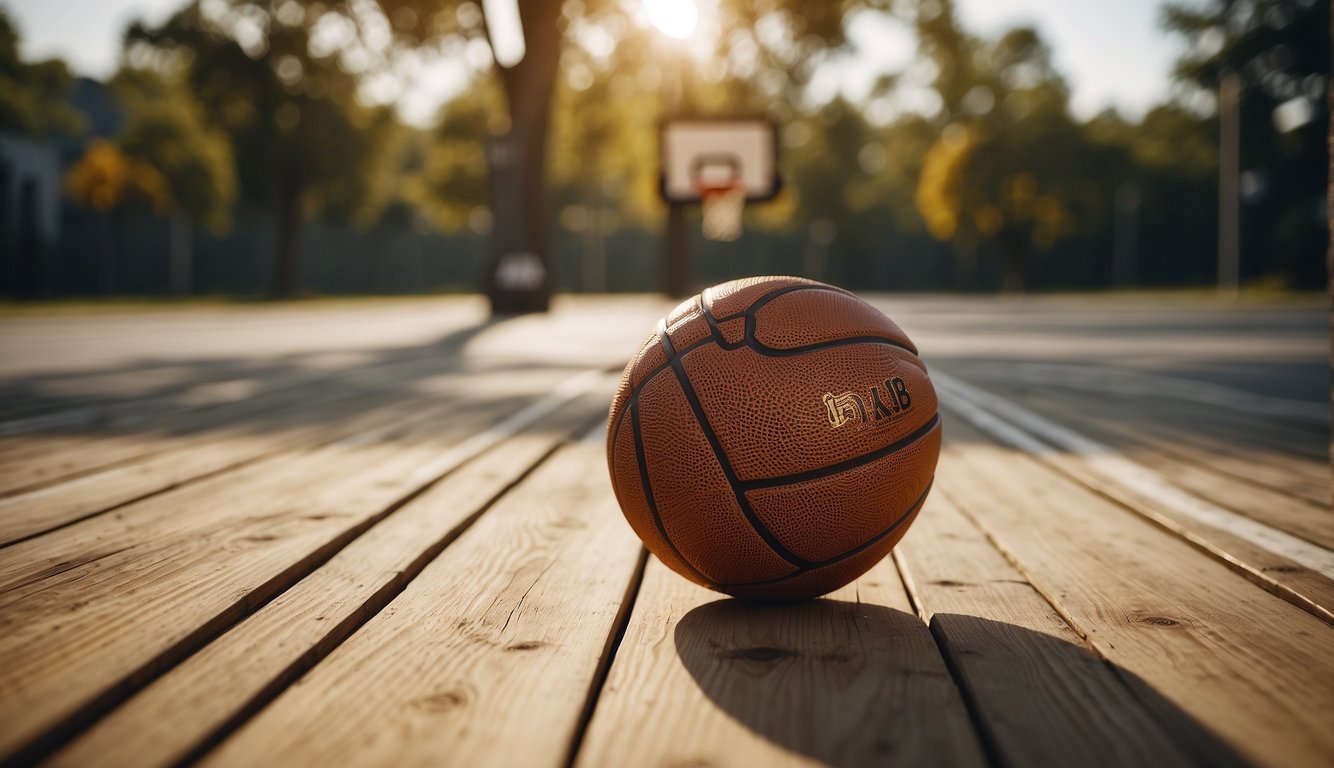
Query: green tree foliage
x,y
1010,167
1281,51
165,128
785,37
32,94
109,181
280,79
447,177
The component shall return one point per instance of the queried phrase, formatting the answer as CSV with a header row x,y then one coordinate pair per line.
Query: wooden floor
x,y
384,535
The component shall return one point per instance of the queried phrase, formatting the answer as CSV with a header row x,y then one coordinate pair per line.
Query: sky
x,y
1111,51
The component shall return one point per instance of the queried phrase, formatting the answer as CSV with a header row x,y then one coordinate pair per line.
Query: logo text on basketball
x,y
850,407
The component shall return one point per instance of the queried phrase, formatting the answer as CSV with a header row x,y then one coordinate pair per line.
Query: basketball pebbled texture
x,y
774,438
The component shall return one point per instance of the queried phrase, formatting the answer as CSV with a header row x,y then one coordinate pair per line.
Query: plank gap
x,y
84,717
355,619
619,626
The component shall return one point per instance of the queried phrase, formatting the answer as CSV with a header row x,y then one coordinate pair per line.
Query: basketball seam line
x,y
692,398
762,350
648,496
705,304
857,550
846,464
750,340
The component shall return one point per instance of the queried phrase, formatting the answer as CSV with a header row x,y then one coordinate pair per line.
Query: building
x,y
29,210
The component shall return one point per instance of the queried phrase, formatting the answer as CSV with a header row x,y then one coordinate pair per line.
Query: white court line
x,y
1127,382
596,436
564,392
984,410
74,417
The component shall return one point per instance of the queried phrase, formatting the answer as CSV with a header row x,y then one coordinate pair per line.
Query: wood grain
x,y
1263,485
851,680
487,658
1290,567
195,703
1250,667
144,429
89,612
1040,694
30,514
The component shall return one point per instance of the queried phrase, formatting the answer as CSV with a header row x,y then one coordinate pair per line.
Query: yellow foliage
x,y
1052,221
1018,191
105,179
940,187
989,220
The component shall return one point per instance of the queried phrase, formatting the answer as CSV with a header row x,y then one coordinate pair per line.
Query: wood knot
x,y
1156,621
949,583
443,701
761,653
526,645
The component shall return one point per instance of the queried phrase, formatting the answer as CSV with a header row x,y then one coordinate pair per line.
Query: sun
x,y
674,18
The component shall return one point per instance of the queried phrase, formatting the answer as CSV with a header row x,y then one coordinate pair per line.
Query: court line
x,y
1027,431
567,390
1126,382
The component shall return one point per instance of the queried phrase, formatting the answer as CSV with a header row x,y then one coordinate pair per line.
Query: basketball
x,y
773,438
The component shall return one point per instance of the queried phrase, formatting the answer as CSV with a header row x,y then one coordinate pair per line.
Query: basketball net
x,y
722,208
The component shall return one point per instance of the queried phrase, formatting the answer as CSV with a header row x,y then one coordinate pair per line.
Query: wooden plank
x,y
43,460
1291,567
1236,436
194,705
1264,485
855,679
488,657
108,365
26,515
90,612
1250,667
1040,694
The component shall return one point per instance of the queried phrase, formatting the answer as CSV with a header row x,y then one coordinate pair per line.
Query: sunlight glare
x,y
674,18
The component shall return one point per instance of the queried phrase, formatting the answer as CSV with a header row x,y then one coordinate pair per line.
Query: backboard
x,y
707,154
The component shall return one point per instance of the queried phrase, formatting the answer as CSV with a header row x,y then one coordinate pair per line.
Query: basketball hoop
x,y
722,207
722,194
720,164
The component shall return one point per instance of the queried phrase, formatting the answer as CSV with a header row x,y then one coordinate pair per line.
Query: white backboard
x,y
703,152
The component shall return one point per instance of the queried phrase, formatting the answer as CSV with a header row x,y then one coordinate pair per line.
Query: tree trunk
x,y
286,254
677,268
965,263
375,247
1016,258
181,261
107,252
528,87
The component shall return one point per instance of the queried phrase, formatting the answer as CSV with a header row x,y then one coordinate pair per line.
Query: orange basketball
x,y
773,438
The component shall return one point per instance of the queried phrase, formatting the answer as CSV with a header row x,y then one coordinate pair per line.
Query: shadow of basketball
x,y
852,684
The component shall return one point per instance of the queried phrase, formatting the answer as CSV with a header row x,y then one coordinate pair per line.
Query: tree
x,y
798,32
1280,50
280,78
165,129
107,180
32,95
1010,166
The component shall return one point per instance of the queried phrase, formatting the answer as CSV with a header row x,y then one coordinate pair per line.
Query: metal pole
x,y
1125,234
678,271
1229,197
